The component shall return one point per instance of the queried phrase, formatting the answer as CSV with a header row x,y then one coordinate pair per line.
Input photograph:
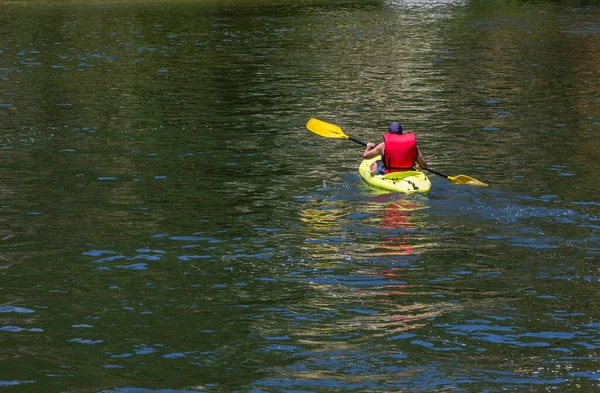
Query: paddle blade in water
x,y
325,129
462,179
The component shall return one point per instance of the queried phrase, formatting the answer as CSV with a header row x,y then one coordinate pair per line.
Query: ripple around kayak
x,y
407,182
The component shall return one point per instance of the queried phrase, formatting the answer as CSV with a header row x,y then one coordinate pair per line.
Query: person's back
x,y
398,150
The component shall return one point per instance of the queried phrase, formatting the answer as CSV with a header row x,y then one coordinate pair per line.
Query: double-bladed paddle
x,y
329,130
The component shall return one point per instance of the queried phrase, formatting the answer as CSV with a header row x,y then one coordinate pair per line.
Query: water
x,y
170,225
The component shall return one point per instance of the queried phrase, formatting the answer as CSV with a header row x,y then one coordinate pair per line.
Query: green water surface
x,y
170,225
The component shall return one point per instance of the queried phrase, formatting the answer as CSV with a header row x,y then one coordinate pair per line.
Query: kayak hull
x,y
407,182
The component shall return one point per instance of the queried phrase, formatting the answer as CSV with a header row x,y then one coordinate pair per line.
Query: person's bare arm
x,y
373,150
421,160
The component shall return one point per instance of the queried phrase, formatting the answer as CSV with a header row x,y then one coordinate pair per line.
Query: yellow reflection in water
x,y
399,213
390,221
324,233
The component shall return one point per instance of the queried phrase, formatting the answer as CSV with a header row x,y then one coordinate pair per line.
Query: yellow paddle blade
x,y
463,179
325,129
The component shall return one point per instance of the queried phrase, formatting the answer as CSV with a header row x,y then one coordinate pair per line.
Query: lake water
x,y
170,225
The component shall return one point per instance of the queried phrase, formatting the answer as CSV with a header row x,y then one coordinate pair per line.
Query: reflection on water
x,y
400,217
375,296
168,224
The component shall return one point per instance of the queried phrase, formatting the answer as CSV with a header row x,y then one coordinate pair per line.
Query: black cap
x,y
395,128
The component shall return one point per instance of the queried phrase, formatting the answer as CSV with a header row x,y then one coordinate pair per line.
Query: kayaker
x,y
399,152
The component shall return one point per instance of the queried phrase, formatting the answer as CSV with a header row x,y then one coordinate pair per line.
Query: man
x,y
398,151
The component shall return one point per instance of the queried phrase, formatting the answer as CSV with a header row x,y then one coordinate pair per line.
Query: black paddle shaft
x,y
357,141
437,173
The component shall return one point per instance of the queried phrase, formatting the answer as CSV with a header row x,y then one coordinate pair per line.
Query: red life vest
x,y
400,152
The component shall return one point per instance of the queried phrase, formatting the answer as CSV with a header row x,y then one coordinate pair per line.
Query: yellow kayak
x,y
407,181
